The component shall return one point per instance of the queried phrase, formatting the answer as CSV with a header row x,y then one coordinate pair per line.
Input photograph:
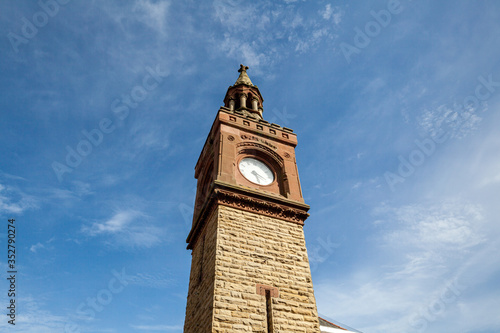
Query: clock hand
x,y
257,176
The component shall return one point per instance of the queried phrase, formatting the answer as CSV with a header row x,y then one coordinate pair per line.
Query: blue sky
x,y
396,106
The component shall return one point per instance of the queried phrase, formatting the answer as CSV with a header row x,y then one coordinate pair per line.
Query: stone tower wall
x,y
255,249
200,301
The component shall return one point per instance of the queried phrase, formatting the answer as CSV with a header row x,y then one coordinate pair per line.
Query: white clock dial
x,y
256,171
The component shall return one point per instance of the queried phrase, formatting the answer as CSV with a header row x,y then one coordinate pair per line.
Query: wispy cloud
x,y
425,252
126,228
450,225
34,317
76,190
15,201
149,136
116,224
36,247
156,280
246,51
458,122
153,14
332,13
252,27
239,16
40,246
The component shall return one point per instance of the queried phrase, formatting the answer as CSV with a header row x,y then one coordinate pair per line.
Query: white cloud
x,y
31,318
490,180
482,311
157,280
423,255
248,53
315,38
116,224
153,14
457,121
327,13
40,246
451,225
240,16
356,186
78,190
81,188
36,247
262,33
15,201
331,13
149,136
126,228
34,316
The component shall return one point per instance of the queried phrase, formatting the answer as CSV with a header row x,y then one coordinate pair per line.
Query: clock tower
x,y
249,271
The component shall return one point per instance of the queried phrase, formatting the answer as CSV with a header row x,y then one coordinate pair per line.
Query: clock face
x,y
256,171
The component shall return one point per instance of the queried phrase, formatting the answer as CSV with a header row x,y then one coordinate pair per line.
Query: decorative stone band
x,y
247,200
260,206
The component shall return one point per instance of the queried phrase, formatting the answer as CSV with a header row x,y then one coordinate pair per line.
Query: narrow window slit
x,y
269,312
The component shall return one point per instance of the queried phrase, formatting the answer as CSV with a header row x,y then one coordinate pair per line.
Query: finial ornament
x,y
243,78
242,68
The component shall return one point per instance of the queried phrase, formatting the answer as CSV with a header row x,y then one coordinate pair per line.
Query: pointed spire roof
x,y
243,78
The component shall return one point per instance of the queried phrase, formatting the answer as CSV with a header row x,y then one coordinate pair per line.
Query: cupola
x,y
244,96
